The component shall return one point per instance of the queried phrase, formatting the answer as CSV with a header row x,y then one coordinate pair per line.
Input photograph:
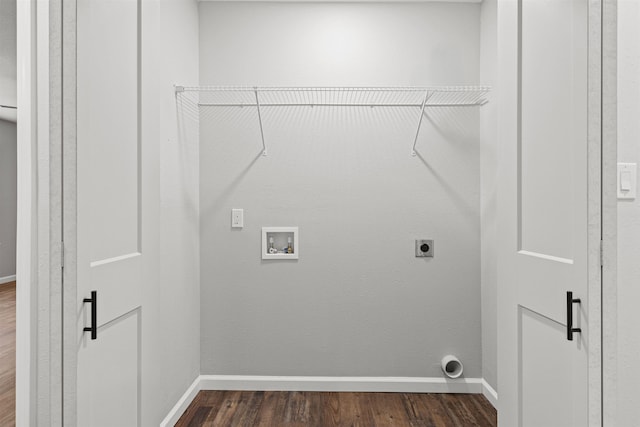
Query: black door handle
x,y
94,315
570,329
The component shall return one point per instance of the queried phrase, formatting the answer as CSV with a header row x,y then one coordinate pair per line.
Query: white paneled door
x,y
544,203
109,217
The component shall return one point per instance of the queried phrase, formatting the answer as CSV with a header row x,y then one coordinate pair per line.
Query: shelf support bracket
x,y
424,103
264,147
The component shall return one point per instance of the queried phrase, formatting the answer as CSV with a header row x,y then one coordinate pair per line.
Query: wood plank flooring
x,y
297,409
8,354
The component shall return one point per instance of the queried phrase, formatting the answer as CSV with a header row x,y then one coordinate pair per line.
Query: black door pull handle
x,y
94,315
570,329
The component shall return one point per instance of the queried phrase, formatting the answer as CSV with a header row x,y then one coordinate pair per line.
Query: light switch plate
x,y
237,218
627,180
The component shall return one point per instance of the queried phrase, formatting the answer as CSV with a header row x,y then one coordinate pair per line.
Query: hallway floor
x,y
8,354
275,408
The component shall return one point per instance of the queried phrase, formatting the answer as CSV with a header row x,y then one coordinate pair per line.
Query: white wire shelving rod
x,y
324,104
415,141
264,146
422,97
326,96
332,88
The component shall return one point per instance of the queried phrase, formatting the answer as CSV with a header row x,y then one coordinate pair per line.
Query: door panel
x,y
543,206
109,174
108,81
117,283
545,385
553,94
113,362
552,152
110,208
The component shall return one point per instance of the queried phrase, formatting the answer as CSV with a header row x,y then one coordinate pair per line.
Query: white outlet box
x,y
627,179
237,218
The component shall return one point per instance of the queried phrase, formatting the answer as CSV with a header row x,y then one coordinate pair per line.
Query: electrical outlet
x,y
237,218
424,248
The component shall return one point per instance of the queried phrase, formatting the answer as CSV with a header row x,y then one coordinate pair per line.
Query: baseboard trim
x,y
345,384
7,279
176,412
490,393
335,384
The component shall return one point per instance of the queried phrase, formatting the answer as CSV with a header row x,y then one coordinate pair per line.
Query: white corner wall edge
x,y
176,412
7,279
490,393
329,384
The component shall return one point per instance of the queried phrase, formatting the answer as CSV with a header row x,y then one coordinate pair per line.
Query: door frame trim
x,y
39,241
609,210
26,211
69,211
595,209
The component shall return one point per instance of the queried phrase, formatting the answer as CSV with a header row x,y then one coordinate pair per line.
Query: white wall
x,y
357,302
488,193
170,310
8,139
8,194
628,398
8,69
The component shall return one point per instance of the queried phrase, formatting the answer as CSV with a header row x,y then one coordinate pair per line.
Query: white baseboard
x,y
7,279
176,412
335,384
353,384
490,393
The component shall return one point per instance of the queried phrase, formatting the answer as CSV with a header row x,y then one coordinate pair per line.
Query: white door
x,y
543,379
109,217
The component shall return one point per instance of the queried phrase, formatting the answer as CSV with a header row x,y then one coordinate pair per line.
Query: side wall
x,y
357,302
628,214
8,46
8,194
488,193
170,310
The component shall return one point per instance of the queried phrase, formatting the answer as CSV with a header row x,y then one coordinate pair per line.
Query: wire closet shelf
x,y
419,98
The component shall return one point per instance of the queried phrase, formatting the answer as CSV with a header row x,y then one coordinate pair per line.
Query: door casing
x,y
39,239
609,210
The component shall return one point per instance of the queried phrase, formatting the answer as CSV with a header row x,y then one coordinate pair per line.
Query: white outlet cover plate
x,y
237,218
627,181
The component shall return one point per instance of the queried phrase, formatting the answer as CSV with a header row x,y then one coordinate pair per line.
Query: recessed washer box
x,y
280,243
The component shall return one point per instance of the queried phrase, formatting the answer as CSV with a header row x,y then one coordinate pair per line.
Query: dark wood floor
x,y
8,354
275,408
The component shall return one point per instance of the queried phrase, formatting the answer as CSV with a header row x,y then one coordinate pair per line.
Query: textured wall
x,y
628,398
357,302
170,311
8,52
